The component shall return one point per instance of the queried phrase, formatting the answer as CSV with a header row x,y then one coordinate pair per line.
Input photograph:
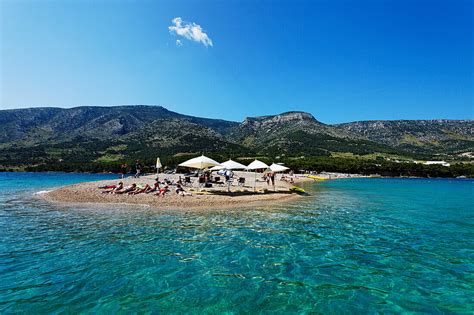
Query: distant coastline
x,y
100,139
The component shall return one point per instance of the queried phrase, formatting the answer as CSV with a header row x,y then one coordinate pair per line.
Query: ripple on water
x,y
352,246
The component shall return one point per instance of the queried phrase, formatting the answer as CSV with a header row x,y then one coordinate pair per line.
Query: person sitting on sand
x,y
202,179
112,188
180,191
162,191
140,190
127,189
266,178
287,179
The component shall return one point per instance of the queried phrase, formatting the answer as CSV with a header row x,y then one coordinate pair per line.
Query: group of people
x,y
287,179
269,177
135,189
125,169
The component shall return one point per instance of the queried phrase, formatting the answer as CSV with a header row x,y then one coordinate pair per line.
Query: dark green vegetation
x,y
418,136
102,138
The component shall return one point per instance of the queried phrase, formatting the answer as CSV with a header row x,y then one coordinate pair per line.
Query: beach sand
x,y
216,197
201,198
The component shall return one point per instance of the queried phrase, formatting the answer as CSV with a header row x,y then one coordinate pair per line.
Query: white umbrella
x,y
275,168
200,162
233,165
158,165
256,165
217,168
278,168
228,165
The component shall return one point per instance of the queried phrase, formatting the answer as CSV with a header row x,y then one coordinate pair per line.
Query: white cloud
x,y
179,43
191,31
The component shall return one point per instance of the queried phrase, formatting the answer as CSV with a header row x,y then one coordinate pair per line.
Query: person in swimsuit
x,y
180,191
127,189
112,188
140,190
107,186
162,191
156,186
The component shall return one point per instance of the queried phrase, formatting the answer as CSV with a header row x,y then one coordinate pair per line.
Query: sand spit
x,y
201,198
216,197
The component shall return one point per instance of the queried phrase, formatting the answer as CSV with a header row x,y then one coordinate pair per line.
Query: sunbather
x,y
127,189
107,187
180,191
162,191
112,188
156,187
287,179
140,190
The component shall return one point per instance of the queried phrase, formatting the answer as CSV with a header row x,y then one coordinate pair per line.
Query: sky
x,y
340,60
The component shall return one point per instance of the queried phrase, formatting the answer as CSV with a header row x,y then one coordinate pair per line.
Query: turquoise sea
x,y
352,246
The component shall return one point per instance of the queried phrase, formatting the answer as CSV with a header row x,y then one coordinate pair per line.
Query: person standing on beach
x,y
138,168
229,175
123,169
272,178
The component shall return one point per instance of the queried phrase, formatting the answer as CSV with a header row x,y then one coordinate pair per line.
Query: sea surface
x,y
351,246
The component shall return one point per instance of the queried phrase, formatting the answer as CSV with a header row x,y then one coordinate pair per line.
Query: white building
x,y
443,163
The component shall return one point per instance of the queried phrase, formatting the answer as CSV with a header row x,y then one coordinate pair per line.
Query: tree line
x,y
298,164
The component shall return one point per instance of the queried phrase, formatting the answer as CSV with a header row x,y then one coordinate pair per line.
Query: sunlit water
x,y
352,246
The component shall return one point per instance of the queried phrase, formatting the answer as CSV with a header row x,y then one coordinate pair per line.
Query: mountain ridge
x,y
226,120
110,133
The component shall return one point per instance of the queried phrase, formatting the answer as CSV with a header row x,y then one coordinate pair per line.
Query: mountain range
x,y
105,134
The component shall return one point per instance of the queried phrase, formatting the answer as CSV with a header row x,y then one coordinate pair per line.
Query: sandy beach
x,y
199,198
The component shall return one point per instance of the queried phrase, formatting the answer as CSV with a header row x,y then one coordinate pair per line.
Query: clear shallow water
x,y
357,245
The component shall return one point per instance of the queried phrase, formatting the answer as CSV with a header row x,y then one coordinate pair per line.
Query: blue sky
x,y
339,60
